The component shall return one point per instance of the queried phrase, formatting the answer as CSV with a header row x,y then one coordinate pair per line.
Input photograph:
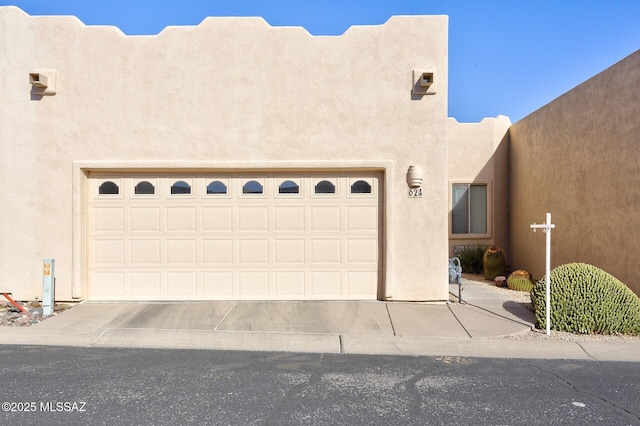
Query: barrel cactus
x,y
586,299
494,263
520,281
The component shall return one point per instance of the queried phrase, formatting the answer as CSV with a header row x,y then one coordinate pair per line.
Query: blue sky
x,y
505,57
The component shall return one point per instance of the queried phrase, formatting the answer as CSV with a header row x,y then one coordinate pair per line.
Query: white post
x,y
546,228
547,272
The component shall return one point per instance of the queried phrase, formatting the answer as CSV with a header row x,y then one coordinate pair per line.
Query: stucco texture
x,y
228,91
577,158
479,153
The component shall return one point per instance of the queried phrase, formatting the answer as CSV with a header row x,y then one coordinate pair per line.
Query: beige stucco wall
x,y
479,153
231,92
577,158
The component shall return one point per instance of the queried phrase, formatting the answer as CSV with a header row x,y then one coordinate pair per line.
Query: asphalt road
x,y
87,386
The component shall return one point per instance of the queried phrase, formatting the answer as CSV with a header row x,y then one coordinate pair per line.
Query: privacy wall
x,y
577,158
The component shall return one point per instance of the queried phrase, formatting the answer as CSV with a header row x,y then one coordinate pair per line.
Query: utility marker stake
x,y
546,228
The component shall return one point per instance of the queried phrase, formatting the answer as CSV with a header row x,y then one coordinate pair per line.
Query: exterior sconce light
x,y
43,82
426,79
415,175
424,82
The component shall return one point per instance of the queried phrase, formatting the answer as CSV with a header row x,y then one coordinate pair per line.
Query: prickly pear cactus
x,y
494,263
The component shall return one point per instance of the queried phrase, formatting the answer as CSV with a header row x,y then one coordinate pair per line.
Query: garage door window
x,y
180,187
145,188
289,187
252,187
108,188
361,187
325,187
216,187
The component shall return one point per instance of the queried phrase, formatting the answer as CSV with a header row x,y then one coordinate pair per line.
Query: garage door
x,y
233,236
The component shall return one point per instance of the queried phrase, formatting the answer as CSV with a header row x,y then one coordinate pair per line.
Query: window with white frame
x,y
469,209
145,188
108,187
325,187
216,187
289,187
180,187
252,187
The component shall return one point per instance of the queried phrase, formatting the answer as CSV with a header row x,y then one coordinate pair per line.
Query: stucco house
x,y
235,160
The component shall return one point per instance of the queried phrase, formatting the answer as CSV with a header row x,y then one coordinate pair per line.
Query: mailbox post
x,y
48,286
546,228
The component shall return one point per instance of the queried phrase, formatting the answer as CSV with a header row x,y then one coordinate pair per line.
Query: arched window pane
x,y
252,187
145,188
181,187
108,188
216,187
289,187
361,187
325,187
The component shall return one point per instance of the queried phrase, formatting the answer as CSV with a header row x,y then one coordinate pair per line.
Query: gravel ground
x,y
524,299
13,317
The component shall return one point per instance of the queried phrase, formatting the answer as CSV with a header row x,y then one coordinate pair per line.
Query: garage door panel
x,y
325,284
217,219
289,218
289,251
325,219
362,251
217,284
145,284
359,283
253,251
108,219
143,252
217,252
144,219
305,236
289,284
253,218
181,219
325,251
108,284
362,218
108,252
182,284
253,284
181,252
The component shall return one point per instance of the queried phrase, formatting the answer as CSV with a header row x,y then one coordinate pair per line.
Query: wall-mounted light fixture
x,y
426,79
424,82
43,82
415,175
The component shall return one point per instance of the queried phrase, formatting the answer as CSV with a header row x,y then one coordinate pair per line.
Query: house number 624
x,y
415,193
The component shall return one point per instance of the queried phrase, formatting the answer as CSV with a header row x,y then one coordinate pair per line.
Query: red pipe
x,y
14,303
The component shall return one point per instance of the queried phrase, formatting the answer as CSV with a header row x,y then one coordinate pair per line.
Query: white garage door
x,y
240,236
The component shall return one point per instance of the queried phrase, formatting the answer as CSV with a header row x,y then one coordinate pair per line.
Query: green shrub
x,y
520,281
495,263
471,258
586,299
